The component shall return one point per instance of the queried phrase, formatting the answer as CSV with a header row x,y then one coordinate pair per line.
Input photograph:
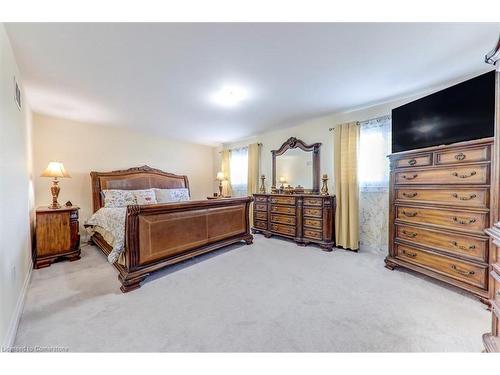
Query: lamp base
x,y
54,189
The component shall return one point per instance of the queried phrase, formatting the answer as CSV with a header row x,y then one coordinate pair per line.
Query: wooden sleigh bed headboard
x,y
137,178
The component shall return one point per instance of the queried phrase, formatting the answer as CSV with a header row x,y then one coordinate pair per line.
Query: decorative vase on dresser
x,y
440,202
57,235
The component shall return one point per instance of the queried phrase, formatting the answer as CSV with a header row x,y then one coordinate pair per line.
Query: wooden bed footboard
x,y
163,234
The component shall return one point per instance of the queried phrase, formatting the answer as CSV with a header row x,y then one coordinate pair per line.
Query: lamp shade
x,y
55,169
220,176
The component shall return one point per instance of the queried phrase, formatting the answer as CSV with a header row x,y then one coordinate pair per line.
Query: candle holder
x,y
324,188
262,189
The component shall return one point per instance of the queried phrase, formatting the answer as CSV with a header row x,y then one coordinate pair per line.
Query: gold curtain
x,y
253,168
253,172
226,169
345,170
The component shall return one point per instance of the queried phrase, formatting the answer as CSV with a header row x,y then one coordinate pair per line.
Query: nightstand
x,y
57,236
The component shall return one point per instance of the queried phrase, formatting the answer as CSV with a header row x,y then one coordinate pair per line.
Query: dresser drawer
x,y
283,210
469,273
474,222
313,212
283,200
260,199
313,234
283,219
260,224
474,174
465,197
468,246
415,161
313,202
283,229
260,215
313,223
260,207
463,156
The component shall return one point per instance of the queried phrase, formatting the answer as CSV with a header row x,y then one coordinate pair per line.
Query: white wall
x,y
16,195
83,148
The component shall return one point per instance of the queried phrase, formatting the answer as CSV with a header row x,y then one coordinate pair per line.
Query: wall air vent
x,y
17,94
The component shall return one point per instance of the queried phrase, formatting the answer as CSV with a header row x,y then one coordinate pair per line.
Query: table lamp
x,y
220,177
55,170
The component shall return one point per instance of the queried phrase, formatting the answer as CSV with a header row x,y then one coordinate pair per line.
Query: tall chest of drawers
x,y
305,218
440,200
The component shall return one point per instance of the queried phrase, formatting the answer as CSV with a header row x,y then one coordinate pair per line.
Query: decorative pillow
x,y
172,195
146,196
118,198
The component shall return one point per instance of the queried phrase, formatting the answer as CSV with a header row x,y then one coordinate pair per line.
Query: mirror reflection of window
x,y
296,167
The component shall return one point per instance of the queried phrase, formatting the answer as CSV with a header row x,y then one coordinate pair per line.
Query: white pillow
x,y
146,196
171,195
118,198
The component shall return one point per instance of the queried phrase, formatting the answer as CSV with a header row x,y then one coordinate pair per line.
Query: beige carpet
x,y
270,296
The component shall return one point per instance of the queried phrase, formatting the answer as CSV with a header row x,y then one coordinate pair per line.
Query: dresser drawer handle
x,y
410,234
472,196
473,173
465,221
461,247
410,214
411,255
412,162
412,177
460,156
462,272
410,195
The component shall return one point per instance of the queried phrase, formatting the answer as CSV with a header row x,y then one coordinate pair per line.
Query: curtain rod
x,y
235,148
372,119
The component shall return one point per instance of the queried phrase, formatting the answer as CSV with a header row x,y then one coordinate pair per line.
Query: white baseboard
x,y
10,336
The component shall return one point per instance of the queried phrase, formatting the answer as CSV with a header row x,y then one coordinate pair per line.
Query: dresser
x,y
492,340
439,209
305,218
57,236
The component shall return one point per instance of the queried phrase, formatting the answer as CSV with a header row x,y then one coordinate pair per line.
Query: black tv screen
x,y
462,112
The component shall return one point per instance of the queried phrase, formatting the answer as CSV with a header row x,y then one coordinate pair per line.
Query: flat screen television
x,y
462,112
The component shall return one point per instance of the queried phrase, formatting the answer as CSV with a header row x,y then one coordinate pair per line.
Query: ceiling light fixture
x,y
229,96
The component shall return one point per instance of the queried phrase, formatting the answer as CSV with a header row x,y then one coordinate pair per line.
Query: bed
x,y
159,235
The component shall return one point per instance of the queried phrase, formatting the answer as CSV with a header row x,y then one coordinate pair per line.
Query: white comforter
x,y
110,223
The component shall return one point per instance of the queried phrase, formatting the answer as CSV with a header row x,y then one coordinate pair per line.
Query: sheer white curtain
x,y
373,175
239,171
374,146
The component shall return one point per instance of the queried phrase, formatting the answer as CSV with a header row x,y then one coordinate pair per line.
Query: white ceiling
x,y
160,78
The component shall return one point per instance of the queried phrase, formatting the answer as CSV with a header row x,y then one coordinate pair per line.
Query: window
x,y
239,171
374,146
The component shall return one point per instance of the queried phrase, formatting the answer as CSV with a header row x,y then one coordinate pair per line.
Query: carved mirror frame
x,y
293,142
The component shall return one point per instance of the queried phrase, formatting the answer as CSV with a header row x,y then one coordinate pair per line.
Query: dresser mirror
x,y
296,163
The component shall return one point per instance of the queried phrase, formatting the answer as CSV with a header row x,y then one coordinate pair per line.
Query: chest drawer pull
x,y
410,195
463,221
462,247
411,255
412,177
473,173
460,156
472,196
410,234
462,272
410,214
412,162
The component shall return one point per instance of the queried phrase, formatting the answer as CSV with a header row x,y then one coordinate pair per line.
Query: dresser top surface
x,y
472,143
293,195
